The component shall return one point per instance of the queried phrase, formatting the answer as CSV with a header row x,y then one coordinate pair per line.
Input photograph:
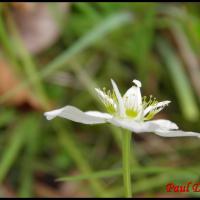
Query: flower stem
x,y
126,150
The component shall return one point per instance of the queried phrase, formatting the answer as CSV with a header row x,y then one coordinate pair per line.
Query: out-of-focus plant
x,y
157,43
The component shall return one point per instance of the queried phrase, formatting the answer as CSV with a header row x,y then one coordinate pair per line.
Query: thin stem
x,y
126,150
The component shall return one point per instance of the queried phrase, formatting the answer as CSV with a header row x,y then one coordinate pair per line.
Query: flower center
x,y
131,107
131,113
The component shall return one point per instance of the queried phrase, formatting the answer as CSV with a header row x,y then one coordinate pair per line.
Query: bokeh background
x,y
54,54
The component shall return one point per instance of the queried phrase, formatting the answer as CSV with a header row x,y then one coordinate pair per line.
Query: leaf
x,y
180,80
15,144
141,170
37,26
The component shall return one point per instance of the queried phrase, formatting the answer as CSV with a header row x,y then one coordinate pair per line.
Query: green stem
x,y
126,150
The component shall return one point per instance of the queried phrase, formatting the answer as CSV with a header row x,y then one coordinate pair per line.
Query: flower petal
x,y
176,133
163,124
119,98
133,98
138,92
130,95
159,106
140,127
132,125
138,83
74,114
99,114
161,127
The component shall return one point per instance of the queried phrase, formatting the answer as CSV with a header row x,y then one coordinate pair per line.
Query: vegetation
x,y
157,43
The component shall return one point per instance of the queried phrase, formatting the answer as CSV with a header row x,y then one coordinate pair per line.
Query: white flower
x,y
131,112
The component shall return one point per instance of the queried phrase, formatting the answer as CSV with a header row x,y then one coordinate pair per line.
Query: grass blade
x,y
182,85
97,33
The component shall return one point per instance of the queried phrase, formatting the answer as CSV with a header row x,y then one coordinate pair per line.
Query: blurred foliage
x,y
156,43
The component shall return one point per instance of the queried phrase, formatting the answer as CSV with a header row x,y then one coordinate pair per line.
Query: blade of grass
x,y
151,183
98,32
32,74
27,62
8,53
138,171
143,38
160,181
5,42
27,168
15,144
7,116
188,56
181,84
88,10
111,23
70,146
101,174
84,42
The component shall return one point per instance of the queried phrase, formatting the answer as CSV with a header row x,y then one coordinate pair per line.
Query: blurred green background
x,y
54,54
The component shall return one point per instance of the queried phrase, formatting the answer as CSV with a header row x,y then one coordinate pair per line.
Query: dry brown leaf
x,y
23,6
36,24
6,191
43,190
8,81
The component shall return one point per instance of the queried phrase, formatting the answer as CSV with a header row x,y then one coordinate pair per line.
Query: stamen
x,y
156,108
108,98
151,102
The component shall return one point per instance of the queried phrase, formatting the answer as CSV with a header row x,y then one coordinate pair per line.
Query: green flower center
x,y
131,113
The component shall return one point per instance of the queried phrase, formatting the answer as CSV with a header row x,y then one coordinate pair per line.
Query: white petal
x,y
52,114
176,133
119,98
140,127
138,83
132,125
105,98
160,127
133,98
159,106
163,124
99,114
74,114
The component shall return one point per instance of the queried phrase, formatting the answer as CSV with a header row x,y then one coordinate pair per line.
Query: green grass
x,y
100,41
